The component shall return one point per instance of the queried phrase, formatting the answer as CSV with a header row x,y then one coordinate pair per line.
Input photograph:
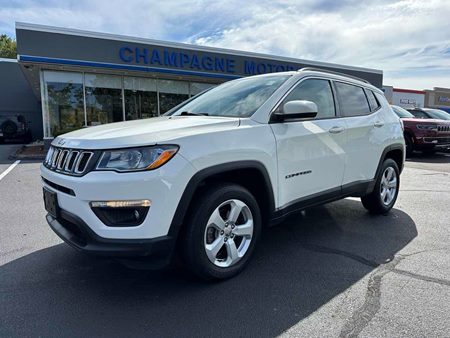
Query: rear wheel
x,y
221,232
384,195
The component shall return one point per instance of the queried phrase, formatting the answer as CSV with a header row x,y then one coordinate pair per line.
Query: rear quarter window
x,y
352,100
373,102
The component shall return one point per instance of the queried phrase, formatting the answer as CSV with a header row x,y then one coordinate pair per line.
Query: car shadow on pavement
x,y
298,267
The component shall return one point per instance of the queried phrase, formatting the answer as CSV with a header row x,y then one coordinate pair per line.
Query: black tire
x,y
192,243
409,145
373,202
9,129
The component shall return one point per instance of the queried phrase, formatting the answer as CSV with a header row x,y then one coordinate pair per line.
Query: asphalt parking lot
x,y
335,271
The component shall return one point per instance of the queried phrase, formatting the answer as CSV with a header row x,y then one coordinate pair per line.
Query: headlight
x,y
427,127
135,159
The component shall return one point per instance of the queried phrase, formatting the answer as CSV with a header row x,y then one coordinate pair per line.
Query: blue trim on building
x,y
29,58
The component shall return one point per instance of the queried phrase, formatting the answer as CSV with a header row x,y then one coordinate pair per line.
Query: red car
x,y
423,134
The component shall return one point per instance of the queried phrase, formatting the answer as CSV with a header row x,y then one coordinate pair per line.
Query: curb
x,y
26,157
32,157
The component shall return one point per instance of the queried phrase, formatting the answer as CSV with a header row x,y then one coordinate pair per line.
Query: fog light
x,y
121,213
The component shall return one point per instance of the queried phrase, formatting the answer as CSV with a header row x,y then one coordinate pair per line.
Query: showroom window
x,y
198,87
171,93
72,100
141,98
103,99
62,99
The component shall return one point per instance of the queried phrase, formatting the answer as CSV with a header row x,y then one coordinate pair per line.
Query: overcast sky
x,y
408,40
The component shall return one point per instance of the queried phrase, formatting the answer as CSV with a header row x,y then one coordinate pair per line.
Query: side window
x,y
373,102
352,100
317,91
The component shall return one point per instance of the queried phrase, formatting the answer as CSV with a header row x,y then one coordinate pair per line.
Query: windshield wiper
x,y
190,113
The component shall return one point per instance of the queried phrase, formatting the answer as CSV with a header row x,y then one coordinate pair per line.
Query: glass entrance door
x,y
103,99
141,98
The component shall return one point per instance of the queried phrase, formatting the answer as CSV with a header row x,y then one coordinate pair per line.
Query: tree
x,y
8,47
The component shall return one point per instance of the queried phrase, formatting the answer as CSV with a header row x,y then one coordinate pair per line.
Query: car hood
x,y
165,129
414,120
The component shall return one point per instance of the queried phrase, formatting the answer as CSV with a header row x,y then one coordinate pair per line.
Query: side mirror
x,y
298,109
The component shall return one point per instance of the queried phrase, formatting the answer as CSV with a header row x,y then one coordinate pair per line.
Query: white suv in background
x,y
203,179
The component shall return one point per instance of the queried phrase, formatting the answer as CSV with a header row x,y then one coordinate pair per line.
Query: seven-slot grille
x,y
68,161
444,128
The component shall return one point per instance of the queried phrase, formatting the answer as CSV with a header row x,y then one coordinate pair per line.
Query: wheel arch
x,y
252,175
395,152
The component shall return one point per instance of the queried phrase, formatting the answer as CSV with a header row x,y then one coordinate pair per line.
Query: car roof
x,y
340,77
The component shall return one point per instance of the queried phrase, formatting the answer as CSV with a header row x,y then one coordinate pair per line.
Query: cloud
x,y
408,39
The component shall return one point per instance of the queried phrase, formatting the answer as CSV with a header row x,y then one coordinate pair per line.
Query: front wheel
x,y
385,193
221,232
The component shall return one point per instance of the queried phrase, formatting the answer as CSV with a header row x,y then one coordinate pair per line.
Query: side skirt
x,y
355,189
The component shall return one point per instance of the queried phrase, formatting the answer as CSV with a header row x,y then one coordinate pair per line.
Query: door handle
x,y
378,124
336,130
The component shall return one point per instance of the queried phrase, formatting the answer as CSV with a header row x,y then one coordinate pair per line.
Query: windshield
x,y
438,114
401,112
238,98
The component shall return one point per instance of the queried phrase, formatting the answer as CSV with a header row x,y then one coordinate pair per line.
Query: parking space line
x,y
11,167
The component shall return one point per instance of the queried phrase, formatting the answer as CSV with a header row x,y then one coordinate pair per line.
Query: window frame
x,y
273,119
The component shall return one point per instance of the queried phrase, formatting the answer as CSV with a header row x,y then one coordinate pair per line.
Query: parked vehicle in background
x,y
14,126
430,113
423,133
204,178
444,109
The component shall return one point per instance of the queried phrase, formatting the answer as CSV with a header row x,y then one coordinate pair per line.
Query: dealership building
x,y
438,98
81,79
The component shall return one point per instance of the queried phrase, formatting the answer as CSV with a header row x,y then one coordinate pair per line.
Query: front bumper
x,y
163,187
72,230
437,141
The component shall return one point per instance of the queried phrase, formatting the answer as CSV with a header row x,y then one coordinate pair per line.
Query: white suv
x,y
203,179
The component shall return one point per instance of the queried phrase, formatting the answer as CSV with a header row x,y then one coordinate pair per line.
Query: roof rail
x,y
332,72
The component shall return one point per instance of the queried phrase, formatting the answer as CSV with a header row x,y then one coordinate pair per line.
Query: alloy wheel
x,y
228,233
388,186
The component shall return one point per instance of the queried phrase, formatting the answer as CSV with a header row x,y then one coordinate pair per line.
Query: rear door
x,y
361,113
310,152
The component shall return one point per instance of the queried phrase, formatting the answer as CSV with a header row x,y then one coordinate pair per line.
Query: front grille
x,y
73,162
444,128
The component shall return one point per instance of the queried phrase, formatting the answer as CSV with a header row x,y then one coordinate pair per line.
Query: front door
x,y
310,153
